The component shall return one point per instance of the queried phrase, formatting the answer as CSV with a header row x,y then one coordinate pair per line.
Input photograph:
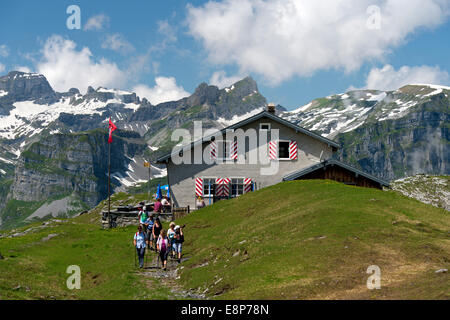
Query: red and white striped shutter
x,y
293,150
234,150
198,187
273,150
219,187
247,185
226,187
213,150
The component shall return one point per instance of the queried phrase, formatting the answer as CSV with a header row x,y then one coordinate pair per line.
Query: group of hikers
x,y
151,234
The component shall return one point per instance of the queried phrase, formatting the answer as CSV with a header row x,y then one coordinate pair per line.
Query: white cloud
x,y
65,67
166,89
387,78
283,38
117,43
4,50
167,30
220,79
97,22
2,67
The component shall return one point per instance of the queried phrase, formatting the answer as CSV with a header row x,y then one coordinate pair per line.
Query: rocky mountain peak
x,y
245,86
204,94
22,86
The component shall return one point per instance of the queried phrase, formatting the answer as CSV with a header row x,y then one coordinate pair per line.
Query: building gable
x,y
262,117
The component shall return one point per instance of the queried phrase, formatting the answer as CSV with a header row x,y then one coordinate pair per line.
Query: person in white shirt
x,y
200,203
166,204
140,239
171,236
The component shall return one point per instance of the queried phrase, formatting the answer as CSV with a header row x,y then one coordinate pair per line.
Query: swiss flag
x,y
112,127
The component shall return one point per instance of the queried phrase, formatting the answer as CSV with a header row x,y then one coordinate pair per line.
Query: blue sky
x,y
296,50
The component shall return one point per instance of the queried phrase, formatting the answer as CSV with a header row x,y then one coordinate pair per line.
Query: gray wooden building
x,y
231,171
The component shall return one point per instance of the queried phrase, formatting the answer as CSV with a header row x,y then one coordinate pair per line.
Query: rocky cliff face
x,y
65,164
413,144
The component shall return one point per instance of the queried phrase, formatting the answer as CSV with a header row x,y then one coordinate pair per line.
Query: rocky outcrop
x,y
21,86
213,103
434,190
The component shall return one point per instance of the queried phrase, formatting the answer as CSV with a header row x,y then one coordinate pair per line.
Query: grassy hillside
x,y
34,265
316,239
294,240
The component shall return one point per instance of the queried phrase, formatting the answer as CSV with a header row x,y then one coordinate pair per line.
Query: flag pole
x,y
109,184
111,128
149,178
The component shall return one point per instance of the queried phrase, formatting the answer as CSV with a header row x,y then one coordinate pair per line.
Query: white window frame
x,y
265,124
204,184
278,150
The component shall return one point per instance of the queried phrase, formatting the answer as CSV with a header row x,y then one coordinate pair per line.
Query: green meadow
x,y
294,240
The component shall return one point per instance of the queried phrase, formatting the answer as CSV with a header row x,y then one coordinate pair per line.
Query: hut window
x,y
283,150
208,186
237,186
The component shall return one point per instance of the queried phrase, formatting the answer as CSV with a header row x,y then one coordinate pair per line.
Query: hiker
x,y
157,206
165,204
156,229
200,203
171,236
163,247
139,241
149,224
178,241
140,207
143,215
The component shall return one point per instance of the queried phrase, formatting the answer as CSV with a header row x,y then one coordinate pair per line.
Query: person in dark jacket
x,y
156,229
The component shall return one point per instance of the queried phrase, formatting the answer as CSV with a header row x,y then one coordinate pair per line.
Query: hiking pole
x,y
157,260
146,256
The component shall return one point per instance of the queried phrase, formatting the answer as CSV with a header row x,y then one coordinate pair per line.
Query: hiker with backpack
x,y
163,247
171,236
149,224
156,230
139,241
143,215
178,241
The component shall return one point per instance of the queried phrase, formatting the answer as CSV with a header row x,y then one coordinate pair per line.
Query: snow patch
x,y
437,91
302,109
6,160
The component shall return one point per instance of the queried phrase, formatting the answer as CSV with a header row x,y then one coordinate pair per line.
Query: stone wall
x,y
126,219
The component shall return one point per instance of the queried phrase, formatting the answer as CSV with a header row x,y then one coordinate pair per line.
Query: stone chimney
x,y
271,108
